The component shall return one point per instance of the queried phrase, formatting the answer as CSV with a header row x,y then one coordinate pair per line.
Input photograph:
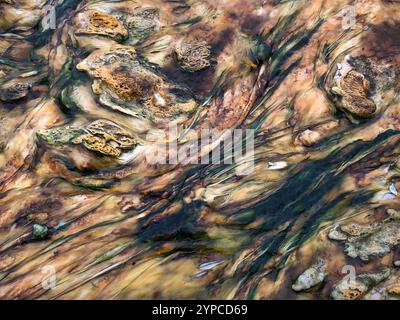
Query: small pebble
x,y
392,189
277,165
311,277
337,234
39,231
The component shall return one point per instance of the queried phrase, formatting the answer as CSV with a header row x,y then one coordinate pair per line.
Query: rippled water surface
x,y
89,91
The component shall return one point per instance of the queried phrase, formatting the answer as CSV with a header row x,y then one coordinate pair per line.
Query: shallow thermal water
x,y
89,91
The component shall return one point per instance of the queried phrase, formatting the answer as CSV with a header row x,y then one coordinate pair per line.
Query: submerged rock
x,y
377,243
143,23
337,234
100,23
381,76
128,84
12,91
356,230
394,289
106,137
102,136
193,55
311,277
353,89
345,232
60,136
354,288
364,241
